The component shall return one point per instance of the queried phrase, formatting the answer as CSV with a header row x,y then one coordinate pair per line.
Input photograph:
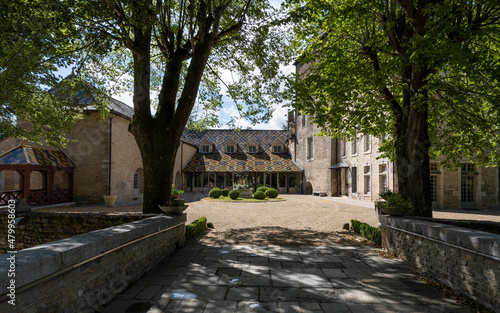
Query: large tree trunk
x,y
158,151
412,163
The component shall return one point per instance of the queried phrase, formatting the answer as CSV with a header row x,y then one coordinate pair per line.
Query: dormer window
x,y
252,149
277,146
230,149
205,147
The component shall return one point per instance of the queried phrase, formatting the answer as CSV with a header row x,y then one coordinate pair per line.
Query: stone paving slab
x,y
271,278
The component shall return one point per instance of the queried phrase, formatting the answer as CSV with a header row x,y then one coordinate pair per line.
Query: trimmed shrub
x,y
272,193
215,193
259,195
369,232
263,189
234,194
224,192
196,227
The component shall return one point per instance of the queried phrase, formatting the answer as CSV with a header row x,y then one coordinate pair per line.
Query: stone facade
x,y
466,260
315,154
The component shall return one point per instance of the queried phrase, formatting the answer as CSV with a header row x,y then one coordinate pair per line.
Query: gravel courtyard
x,y
301,219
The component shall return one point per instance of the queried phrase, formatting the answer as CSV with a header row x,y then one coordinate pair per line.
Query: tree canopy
x,y
425,73
38,38
179,48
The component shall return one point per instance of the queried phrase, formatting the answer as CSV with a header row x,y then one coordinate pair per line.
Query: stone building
x,y
355,170
225,156
108,161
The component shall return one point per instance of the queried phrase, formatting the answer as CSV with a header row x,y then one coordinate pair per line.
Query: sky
x,y
229,110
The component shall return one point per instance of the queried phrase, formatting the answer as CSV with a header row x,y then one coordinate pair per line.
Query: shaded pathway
x,y
221,277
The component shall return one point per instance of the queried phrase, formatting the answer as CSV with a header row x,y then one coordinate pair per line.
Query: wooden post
x,y
50,184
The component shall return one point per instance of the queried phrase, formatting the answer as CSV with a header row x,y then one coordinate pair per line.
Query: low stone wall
x,y
466,260
84,272
43,227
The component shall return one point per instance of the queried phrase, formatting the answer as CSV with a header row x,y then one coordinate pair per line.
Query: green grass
x,y
243,199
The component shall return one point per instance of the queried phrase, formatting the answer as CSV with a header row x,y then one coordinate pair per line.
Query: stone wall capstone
x,y
466,260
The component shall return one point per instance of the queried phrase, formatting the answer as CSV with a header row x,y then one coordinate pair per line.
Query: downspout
x,y
109,155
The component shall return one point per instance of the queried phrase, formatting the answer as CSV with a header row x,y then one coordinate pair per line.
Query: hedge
x,y
263,189
225,192
259,195
215,193
234,194
272,193
196,227
369,232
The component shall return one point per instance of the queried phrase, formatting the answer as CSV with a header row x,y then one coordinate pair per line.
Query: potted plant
x,y
173,207
109,200
244,188
395,204
175,193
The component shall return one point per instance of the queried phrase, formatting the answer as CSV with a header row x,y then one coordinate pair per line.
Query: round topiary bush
x,y
259,195
214,193
263,189
225,192
234,194
272,193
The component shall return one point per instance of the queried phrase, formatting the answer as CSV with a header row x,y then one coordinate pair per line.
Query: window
x,y
367,142
343,148
434,168
281,180
382,181
382,187
467,185
433,188
367,179
252,149
303,120
137,181
205,149
310,148
382,168
209,180
230,149
354,149
354,184
276,149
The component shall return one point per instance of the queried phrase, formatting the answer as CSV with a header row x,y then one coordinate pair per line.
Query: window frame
x,y
310,148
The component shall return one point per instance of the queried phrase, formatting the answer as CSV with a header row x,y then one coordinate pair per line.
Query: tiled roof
x,y
219,161
24,155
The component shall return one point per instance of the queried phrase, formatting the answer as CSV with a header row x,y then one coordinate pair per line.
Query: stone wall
x,y
83,273
466,260
91,155
44,227
125,161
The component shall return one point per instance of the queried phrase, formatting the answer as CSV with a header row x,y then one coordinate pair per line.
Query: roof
x,y
85,96
25,155
219,161
339,165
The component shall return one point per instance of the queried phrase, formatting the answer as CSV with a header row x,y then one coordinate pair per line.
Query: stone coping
x,y
43,260
483,242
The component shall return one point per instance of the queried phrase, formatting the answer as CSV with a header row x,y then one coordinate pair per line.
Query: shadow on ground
x,y
275,235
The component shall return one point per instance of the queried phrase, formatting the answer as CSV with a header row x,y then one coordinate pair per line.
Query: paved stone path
x,y
272,278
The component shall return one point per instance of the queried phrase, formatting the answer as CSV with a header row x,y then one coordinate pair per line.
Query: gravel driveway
x,y
301,219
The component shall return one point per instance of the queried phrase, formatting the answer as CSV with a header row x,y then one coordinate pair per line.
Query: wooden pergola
x,y
48,163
